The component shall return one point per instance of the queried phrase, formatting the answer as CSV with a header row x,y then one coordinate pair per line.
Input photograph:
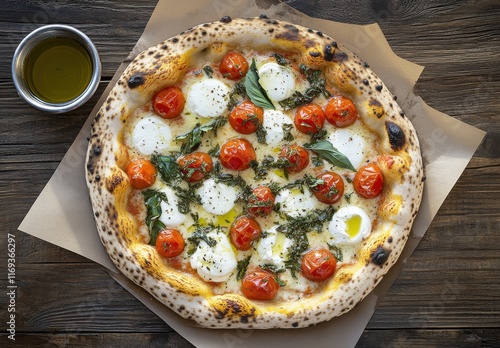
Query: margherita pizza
x,y
253,173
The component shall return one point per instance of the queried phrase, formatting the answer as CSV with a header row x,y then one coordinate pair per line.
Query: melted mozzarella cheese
x,y
208,98
170,214
214,263
349,225
216,197
277,80
274,120
151,134
295,203
273,248
350,144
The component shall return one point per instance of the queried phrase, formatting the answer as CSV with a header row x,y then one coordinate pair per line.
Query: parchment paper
x,y
62,214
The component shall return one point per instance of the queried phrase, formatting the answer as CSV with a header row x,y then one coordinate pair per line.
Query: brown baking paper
x,y
62,214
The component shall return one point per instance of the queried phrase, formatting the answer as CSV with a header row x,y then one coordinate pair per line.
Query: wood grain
x,y
448,293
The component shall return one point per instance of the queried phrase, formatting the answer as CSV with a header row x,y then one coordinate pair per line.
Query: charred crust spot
x,y
366,82
334,44
235,306
136,80
397,137
295,324
402,114
331,54
114,183
220,314
319,33
262,16
164,47
376,107
175,40
379,256
389,239
292,28
379,87
315,54
96,149
226,19
366,65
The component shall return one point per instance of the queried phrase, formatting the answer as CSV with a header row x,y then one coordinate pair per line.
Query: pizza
x,y
253,173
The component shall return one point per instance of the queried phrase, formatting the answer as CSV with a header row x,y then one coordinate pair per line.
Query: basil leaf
x,y
325,150
193,137
152,200
167,167
257,94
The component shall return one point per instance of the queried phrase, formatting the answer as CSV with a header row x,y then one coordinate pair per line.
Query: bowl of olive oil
x,y
56,68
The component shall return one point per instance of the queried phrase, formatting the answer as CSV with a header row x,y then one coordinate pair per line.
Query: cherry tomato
x,y
243,231
237,154
331,190
259,285
169,242
341,111
318,265
296,156
369,181
233,66
195,166
246,117
309,118
261,201
169,102
142,173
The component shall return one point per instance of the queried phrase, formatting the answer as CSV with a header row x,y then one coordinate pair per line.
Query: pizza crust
x,y
164,65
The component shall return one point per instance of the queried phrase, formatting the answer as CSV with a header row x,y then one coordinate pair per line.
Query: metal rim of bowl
x,y
30,41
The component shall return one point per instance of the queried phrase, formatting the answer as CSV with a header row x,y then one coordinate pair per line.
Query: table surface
x,y
448,293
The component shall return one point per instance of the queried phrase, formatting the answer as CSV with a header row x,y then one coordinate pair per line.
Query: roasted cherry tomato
x,y
259,285
243,231
296,156
341,111
369,181
309,119
169,102
261,201
331,190
318,265
142,173
169,242
233,66
237,154
246,117
195,166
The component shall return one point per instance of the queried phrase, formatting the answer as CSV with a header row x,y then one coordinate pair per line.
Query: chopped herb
x,y
325,150
193,137
186,197
317,87
261,134
215,151
238,90
152,200
317,161
280,59
336,252
348,197
242,267
254,90
272,268
287,134
167,166
208,70
200,234
321,135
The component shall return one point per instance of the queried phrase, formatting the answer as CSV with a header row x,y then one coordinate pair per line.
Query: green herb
x,y
272,268
317,87
167,166
296,228
208,70
321,135
280,59
261,134
231,180
200,234
287,134
238,90
316,161
186,197
267,163
254,90
325,150
242,267
336,252
193,137
152,200
348,197
215,151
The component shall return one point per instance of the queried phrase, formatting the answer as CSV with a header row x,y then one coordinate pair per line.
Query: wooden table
x,y
448,293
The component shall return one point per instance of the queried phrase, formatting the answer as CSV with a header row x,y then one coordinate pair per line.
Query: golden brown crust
x,y
164,65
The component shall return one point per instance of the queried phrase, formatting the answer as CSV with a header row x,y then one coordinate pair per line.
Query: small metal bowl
x,y
33,39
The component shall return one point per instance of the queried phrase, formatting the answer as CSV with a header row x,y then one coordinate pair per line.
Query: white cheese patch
x,y
274,120
214,263
216,197
151,134
208,98
352,145
295,203
278,81
349,225
273,248
170,215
